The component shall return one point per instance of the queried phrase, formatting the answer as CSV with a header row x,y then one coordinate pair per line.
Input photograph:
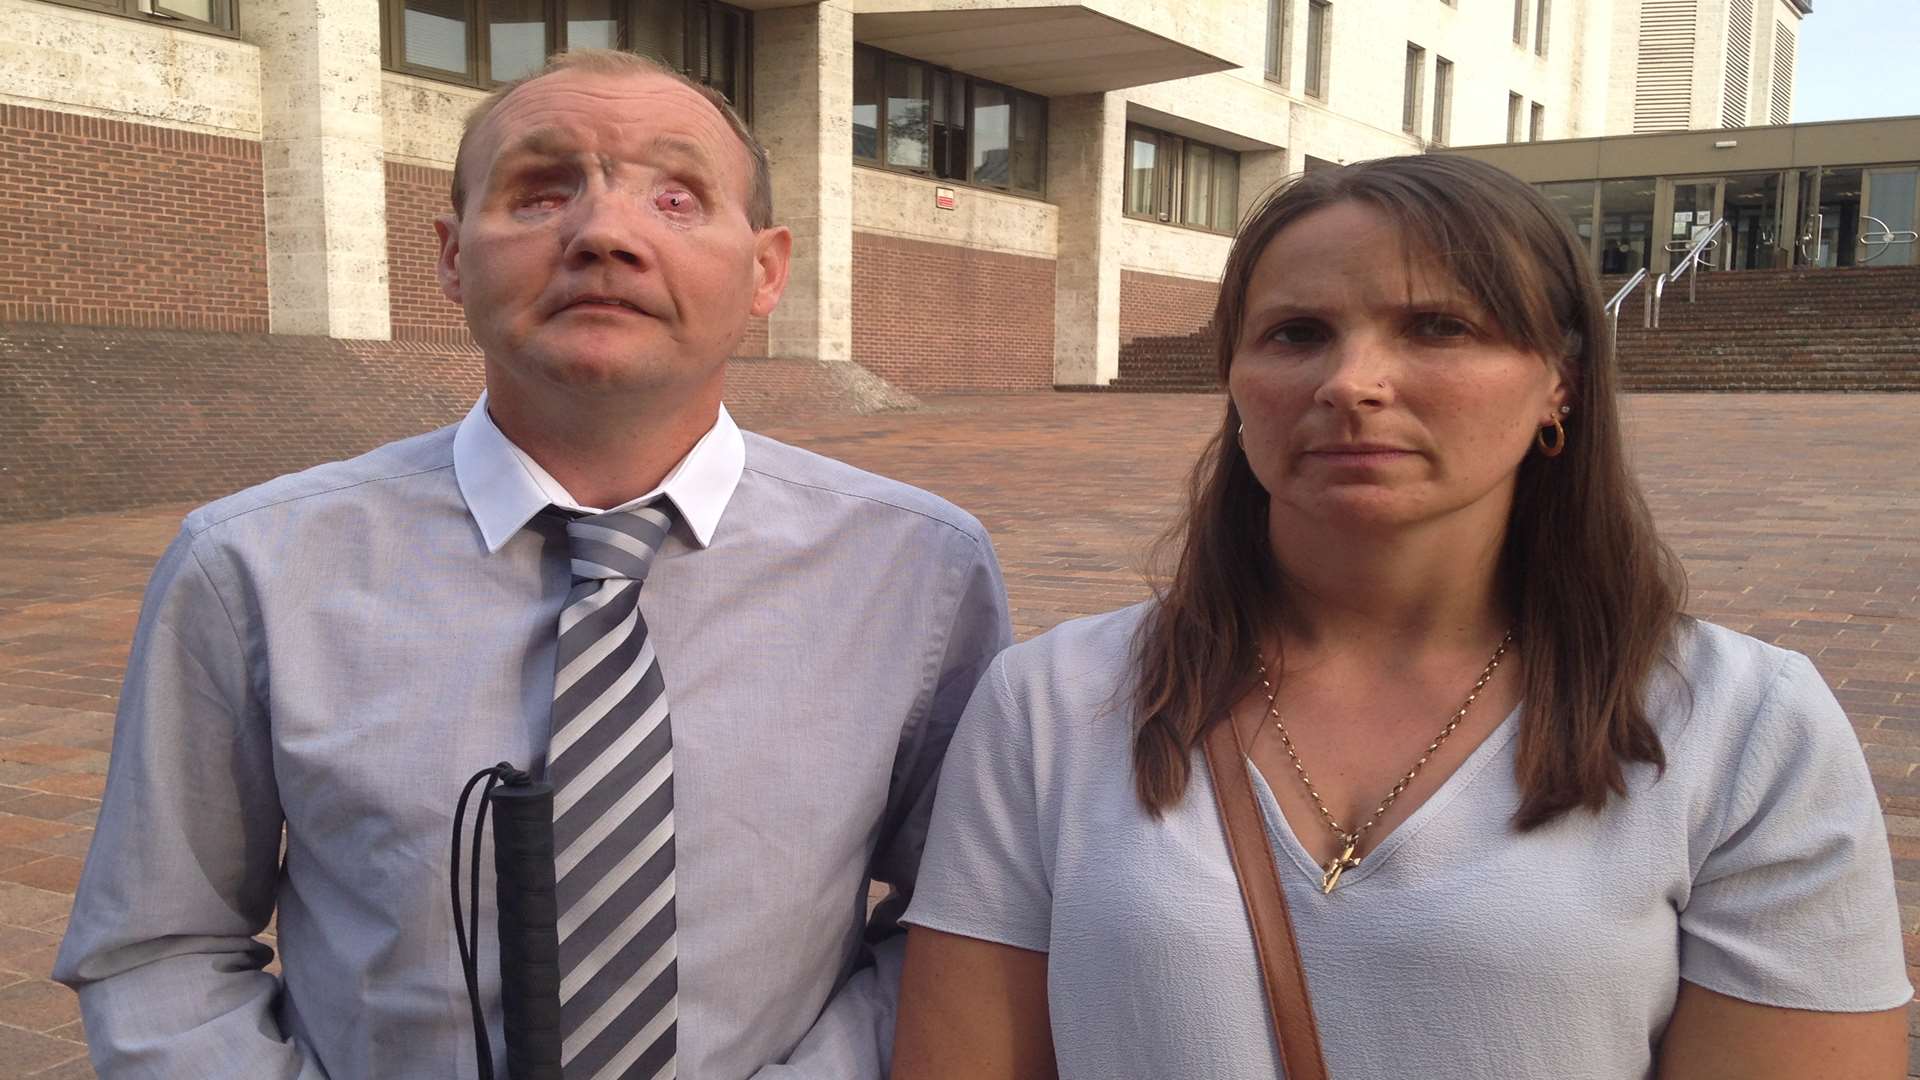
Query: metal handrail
x,y
1613,306
1687,266
1886,237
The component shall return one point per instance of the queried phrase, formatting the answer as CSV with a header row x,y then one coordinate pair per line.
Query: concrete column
x,y
803,113
1086,151
1260,172
324,165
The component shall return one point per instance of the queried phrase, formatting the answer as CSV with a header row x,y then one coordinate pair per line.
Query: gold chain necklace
x,y
1350,841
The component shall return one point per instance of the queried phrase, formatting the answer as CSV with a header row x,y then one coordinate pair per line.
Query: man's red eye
x,y
675,200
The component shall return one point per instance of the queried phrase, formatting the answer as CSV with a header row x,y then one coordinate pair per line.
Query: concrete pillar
x,y
324,165
1086,153
1260,172
803,113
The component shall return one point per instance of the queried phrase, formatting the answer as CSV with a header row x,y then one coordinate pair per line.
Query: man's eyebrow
x,y
674,146
540,142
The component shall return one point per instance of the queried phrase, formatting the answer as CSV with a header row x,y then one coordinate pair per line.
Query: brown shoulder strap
x,y
1252,853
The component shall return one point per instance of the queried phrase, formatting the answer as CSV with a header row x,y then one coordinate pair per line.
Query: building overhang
x,y
1193,129
1804,7
1051,50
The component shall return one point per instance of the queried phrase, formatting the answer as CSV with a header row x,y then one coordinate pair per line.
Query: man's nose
x,y
610,228
1359,374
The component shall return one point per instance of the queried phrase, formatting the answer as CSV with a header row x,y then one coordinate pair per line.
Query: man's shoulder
x,y
370,475
791,467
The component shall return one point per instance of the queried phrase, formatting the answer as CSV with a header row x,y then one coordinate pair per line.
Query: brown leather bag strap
x,y
1252,854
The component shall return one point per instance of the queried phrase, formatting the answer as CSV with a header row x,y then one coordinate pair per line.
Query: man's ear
x,y
447,228
772,253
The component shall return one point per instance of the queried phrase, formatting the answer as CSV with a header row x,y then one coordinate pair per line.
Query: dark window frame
x,y
1516,112
1279,41
1537,123
478,74
226,22
1319,49
1169,179
965,96
1413,90
1442,101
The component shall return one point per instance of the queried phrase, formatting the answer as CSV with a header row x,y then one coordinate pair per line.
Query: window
x,y
1319,15
1442,99
1516,107
487,42
1537,124
1279,21
1181,181
918,118
193,14
1540,28
1520,23
1410,95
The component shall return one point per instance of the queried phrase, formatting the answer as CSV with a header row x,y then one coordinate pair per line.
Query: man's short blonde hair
x,y
616,62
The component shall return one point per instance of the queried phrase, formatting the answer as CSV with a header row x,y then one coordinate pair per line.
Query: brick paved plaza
x,y
1798,518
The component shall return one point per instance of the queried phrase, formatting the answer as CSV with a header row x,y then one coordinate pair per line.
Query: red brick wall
x,y
936,317
1154,305
99,418
109,223
415,196
102,418
754,343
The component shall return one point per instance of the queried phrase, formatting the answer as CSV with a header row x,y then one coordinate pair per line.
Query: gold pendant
x,y
1339,864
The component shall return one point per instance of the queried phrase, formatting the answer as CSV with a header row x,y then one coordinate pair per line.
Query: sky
x,y
1858,58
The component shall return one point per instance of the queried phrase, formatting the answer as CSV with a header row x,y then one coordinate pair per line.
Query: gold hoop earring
x,y
1558,445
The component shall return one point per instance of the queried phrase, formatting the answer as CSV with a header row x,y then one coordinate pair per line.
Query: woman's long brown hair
x,y
1595,592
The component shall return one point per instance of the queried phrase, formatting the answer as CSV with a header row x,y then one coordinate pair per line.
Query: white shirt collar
x,y
504,487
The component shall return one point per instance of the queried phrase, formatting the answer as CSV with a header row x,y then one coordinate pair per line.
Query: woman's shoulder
x,y
1725,694
1077,654
1065,694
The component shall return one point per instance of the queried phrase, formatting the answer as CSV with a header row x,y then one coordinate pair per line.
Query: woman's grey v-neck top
x,y
1756,866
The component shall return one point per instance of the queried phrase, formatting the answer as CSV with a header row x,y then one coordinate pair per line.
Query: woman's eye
x,y
1298,333
1443,326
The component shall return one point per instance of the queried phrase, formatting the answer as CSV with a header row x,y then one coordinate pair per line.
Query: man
x,y
735,752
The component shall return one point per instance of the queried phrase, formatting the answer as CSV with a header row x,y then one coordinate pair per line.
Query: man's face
x,y
604,248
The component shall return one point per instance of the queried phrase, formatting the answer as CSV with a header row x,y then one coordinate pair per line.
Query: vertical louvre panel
x,y
1733,111
1782,74
1663,91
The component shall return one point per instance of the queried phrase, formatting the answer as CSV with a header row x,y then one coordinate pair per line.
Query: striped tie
x,y
611,765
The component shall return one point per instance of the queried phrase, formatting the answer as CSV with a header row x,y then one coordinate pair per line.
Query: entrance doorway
x,y
1750,203
1856,216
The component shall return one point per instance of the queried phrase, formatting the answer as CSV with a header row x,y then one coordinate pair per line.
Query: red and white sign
x,y
943,199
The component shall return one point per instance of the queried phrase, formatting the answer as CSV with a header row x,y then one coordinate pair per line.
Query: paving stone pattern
x,y
1798,518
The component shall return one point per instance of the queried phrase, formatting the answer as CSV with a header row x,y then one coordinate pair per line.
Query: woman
x,y
1530,820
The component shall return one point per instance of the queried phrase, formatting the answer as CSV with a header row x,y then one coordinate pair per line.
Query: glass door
x,y
1751,204
1696,206
1892,200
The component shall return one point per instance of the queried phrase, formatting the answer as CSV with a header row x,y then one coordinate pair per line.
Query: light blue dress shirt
x,y
338,650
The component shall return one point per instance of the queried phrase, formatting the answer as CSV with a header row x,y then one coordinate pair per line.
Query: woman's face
x,y
1377,396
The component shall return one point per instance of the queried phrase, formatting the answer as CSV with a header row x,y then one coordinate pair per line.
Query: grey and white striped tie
x,y
611,765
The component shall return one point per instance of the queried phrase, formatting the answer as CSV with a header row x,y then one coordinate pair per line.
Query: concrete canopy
x,y
1052,51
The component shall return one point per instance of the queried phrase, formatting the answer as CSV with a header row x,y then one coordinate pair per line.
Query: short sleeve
x,y
984,873
1793,905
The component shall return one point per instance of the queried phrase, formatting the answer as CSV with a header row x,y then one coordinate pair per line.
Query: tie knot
x,y
620,544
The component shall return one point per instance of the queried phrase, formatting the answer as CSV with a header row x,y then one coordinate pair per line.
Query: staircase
x,y
1752,330
1168,365
1855,329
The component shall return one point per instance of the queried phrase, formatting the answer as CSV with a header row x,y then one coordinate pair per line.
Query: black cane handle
x,y
529,928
